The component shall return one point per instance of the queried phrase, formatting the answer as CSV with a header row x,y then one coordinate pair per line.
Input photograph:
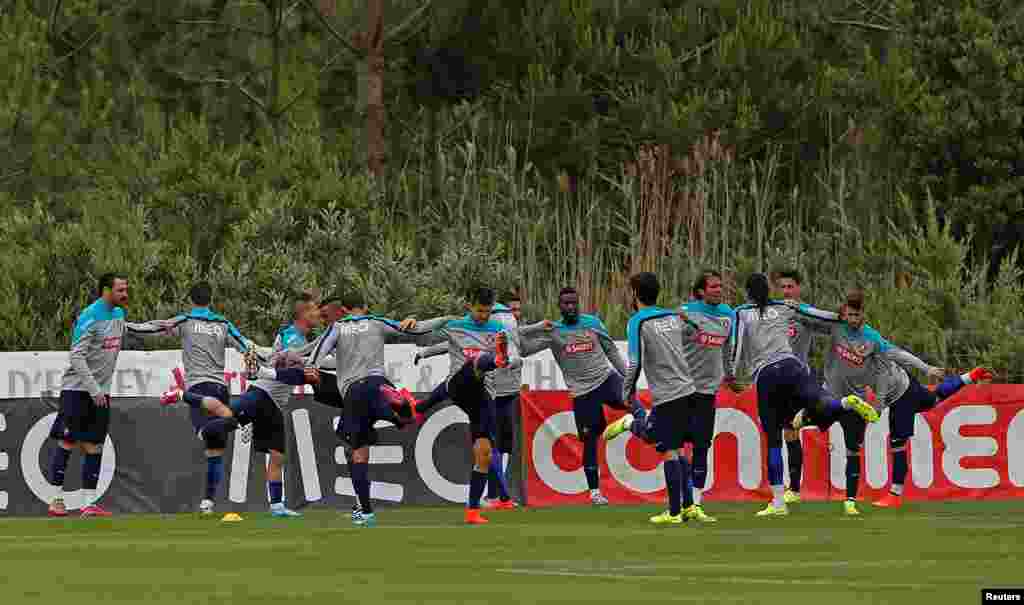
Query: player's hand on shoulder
x,y
937,373
407,324
548,325
102,400
793,304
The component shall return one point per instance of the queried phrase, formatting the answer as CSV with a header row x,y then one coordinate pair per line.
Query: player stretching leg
x,y
656,338
789,283
205,336
477,345
357,342
784,384
593,370
84,418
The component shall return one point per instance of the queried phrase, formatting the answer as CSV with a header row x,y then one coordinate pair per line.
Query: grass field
x,y
935,553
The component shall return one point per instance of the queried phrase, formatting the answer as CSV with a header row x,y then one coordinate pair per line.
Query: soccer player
x,y
326,391
84,418
655,338
593,369
262,402
707,333
358,341
789,284
477,345
504,386
862,357
760,338
205,336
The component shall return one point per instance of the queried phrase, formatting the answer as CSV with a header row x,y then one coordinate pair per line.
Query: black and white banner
x,y
154,463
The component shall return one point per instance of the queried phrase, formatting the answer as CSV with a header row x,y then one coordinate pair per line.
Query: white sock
x,y
595,492
697,493
276,505
778,493
966,378
267,373
897,489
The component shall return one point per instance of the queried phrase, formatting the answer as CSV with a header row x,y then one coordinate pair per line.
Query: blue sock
x,y
796,464
899,467
673,479
476,488
91,470
590,468
193,399
775,466
699,472
948,387
485,363
276,491
852,475
686,481
361,481
497,487
214,475
439,394
58,464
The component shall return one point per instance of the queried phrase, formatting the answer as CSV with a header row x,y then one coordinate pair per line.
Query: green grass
x,y
928,553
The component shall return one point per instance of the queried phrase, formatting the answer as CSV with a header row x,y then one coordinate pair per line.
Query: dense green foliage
x,y
529,144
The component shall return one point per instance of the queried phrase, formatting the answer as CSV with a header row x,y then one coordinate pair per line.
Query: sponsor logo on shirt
x,y
579,346
707,339
853,355
355,327
112,343
471,353
215,330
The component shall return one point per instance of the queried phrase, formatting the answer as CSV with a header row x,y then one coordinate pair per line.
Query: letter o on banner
x,y
568,483
645,482
37,482
429,432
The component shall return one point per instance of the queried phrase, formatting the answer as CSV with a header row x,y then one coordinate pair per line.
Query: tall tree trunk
x,y
376,115
273,101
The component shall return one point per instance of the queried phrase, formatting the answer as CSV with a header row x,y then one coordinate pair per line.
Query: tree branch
x,y
863,25
334,33
224,81
411,22
287,106
222,25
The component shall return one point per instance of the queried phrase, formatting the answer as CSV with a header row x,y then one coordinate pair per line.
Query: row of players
x,y
687,353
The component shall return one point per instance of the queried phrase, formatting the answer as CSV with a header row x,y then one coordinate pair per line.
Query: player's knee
x,y
361,455
482,453
216,408
214,453
92,448
276,458
790,435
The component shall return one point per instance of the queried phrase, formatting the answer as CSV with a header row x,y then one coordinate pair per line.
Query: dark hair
x,y
353,300
759,290
702,281
333,300
107,281
201,294
567,290
792,274
855,299
646,287
482,296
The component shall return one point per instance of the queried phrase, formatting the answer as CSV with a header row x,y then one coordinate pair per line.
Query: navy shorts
x,y
701,429
669,422
80,419
469,394
213,390
506,409
901,414
588,409
256,407
327,391
783,388
363,407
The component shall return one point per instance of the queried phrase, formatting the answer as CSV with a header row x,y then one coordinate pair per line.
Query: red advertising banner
x,y
970,446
